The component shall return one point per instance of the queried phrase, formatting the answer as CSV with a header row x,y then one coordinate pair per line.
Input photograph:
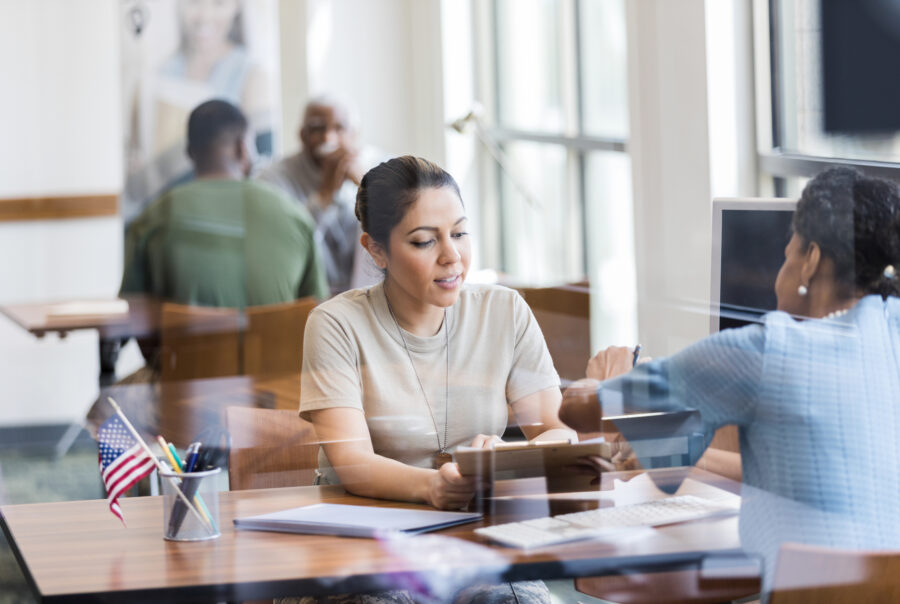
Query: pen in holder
x,y
182,523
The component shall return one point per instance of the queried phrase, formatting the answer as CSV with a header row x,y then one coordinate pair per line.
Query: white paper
x,y
89,308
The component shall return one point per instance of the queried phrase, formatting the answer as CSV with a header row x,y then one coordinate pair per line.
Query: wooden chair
x,y
270,448
669,587
199,342
807,574
273,342
563,313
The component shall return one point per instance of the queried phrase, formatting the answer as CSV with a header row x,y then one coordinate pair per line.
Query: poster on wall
x,y
177,54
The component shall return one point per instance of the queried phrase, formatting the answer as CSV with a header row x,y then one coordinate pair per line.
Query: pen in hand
x,y
637,352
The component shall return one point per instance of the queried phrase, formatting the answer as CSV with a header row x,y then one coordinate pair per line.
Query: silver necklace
x,y
442,456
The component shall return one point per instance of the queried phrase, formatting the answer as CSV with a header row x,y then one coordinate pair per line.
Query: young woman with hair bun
x,y
398,375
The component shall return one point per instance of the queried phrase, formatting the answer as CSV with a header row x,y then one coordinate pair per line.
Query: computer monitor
x,y
748,242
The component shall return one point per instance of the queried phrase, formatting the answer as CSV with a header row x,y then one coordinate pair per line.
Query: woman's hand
x,y
611,362
448,489
336,168
622,459
485,441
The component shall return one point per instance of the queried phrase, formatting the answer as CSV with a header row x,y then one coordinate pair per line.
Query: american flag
x,y
122,461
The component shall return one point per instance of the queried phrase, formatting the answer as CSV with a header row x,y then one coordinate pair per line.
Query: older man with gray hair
x,y
324,176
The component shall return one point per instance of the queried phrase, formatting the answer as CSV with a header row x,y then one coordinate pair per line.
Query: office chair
x,y
273,341
806,574
199,342
270,448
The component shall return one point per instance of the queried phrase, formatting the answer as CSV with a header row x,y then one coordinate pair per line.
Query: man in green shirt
x,y
219,240
222,240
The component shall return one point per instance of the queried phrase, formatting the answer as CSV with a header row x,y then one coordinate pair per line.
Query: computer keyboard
x,y
540,532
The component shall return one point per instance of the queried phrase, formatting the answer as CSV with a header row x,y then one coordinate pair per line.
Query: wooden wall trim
x,y
62,206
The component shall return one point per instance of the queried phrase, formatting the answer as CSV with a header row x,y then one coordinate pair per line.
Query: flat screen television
x,y
861,65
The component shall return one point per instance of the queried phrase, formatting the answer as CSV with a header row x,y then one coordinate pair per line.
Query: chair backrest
x,y
564,315
671,587
270,448
273,342
199,342
806,574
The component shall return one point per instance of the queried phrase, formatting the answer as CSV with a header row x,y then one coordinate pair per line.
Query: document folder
x,y
353,520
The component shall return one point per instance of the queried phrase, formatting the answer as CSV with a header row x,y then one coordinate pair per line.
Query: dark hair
x,y
390,188
855,220
212,124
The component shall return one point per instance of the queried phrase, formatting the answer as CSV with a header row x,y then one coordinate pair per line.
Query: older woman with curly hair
x,y
813,389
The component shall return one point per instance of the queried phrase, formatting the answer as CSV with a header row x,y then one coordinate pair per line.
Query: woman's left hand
x,y
622,459
594,465
485,441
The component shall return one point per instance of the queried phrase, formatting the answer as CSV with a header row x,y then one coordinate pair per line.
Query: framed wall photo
x,y
177,54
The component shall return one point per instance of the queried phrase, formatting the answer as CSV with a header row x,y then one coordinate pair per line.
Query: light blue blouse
x,y
817,403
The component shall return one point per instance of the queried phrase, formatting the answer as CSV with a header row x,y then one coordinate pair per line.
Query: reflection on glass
x,y
799,102
529,49
604,79
541,244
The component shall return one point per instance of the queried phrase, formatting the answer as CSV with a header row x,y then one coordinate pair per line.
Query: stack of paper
x,y
89,308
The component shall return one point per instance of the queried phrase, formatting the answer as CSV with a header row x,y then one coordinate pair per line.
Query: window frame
x,y
572,140
776,166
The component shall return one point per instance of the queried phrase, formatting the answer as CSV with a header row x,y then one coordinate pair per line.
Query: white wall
x,y
669,146
62,135
61,127
732,98
382,57
294,73
691,102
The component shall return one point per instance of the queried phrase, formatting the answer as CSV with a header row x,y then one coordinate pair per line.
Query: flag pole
x,y
158,465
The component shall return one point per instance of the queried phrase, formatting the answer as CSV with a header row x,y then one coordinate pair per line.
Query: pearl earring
x,y
802,290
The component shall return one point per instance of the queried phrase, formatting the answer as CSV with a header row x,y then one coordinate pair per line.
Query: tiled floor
x,y
29,475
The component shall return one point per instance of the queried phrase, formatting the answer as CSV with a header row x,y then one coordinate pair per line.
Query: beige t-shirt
x,y
353,356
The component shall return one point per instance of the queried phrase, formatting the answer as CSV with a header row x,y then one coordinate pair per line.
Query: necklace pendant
x,y
440,459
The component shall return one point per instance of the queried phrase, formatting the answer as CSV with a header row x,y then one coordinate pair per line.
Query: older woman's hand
x,y
622,458
611,362
580,408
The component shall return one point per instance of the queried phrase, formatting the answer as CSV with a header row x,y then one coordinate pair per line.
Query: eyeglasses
x,y
322,128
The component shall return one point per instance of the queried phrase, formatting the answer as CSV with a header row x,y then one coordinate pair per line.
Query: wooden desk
x,y
79,551
142,320
37,318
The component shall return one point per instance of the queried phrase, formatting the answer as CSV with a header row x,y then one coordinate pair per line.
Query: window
x,y
800,145
553,81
